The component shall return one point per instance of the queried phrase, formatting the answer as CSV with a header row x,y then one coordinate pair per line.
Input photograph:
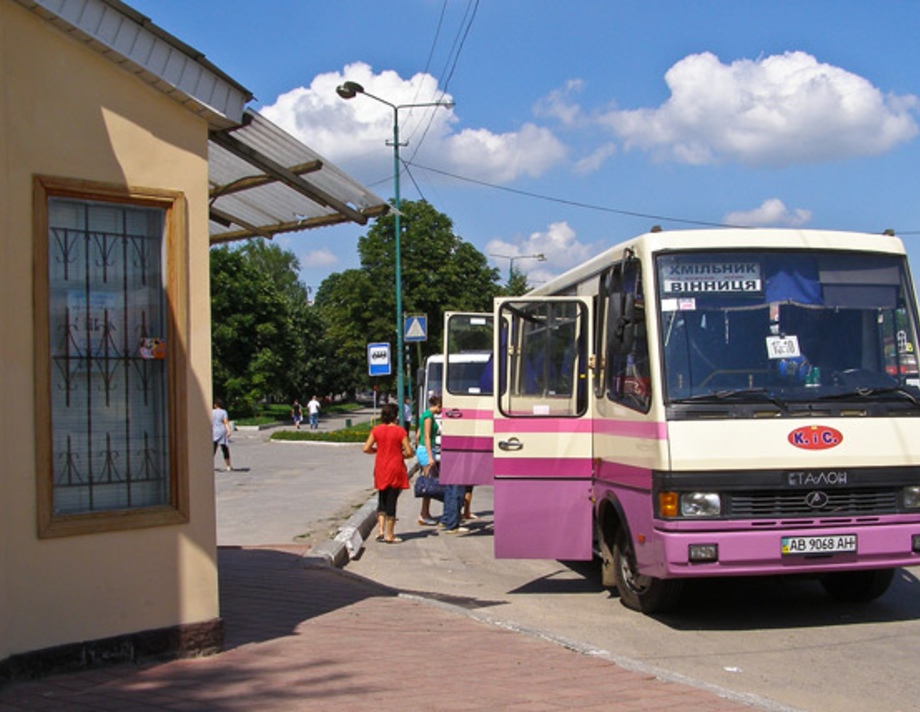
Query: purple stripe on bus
x,y
466,442
470,413
605,426
624,474
543,425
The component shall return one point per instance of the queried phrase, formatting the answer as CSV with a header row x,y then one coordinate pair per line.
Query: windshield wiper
x,y
734,393
873,391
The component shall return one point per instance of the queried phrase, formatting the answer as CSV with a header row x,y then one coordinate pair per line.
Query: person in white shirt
x,y
313,409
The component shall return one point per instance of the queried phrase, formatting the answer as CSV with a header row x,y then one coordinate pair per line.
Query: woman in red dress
x,y
390,442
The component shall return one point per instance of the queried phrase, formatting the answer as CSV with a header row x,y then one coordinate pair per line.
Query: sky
x,y
580,124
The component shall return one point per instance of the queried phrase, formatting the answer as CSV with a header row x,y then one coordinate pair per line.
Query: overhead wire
x,y
573,203
447,75
414,182
434,43
446,83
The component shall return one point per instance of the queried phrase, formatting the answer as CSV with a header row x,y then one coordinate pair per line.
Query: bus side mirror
x,y
621,323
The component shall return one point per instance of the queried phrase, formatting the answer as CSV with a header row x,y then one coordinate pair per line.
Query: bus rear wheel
x,y
857,586
640,593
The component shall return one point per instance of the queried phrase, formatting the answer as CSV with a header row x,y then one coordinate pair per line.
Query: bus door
x,y
466,414
543,407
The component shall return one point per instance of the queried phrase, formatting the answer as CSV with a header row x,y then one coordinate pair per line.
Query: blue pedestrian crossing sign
x,y
378,359
416,328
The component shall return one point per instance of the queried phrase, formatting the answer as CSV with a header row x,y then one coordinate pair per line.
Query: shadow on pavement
x,y
755,603
268,593
776,602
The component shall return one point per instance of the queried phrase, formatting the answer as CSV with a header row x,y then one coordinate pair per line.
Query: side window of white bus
x,y
604,288
628,369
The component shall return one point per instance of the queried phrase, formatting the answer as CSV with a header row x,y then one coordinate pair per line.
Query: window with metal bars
x,y
108,337
107,399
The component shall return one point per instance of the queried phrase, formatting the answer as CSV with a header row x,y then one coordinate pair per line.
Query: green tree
x,y
517,284
281,266
262,329
344,303
440,272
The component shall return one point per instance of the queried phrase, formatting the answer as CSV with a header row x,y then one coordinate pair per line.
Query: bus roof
x,y
723,238
467,357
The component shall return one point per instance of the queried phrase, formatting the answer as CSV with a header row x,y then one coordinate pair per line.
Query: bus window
x,y
469,354
627,372
545,346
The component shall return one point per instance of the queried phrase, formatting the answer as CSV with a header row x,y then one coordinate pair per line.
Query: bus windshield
x,y
787,326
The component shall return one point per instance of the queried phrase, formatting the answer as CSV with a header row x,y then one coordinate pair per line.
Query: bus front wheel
x,y
857,586
639,592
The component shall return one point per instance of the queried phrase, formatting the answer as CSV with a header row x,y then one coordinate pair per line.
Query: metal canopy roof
x,y
264,182
129,39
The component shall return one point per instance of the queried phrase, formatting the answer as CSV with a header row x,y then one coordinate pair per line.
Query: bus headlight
x,y
700,504
912,497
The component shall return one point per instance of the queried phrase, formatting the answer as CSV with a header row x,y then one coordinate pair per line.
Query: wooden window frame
x,y
173,204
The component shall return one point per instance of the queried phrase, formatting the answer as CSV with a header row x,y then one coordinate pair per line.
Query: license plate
x,y
799,545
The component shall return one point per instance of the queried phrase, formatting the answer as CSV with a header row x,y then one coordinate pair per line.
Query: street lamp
x,y
539,257
349,90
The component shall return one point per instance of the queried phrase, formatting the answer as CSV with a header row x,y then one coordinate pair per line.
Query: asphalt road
x,y
284,492
780,640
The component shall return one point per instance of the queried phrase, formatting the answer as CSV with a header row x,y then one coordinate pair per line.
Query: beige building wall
x,y
66,111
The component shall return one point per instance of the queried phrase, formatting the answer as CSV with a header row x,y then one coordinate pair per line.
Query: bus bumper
x,y
747,553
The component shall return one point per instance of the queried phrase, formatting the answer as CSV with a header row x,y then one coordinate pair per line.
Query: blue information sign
x,y
378,359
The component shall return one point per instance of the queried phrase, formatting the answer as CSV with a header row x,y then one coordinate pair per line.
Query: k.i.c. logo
x,y
815,437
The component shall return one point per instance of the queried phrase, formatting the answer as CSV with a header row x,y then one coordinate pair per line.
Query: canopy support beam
x,y
285,175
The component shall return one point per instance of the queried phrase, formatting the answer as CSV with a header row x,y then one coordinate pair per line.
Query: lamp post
x,y
348,90
539,257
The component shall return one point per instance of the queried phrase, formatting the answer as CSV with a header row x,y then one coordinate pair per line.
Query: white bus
x,y
468,375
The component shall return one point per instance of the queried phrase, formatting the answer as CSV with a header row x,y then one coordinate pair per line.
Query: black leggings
x,y
223,448
386,500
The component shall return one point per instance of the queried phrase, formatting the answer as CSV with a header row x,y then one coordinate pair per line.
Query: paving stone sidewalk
x,y
302,636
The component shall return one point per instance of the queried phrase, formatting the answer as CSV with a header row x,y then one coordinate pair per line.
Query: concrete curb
x,y
350,536
256,428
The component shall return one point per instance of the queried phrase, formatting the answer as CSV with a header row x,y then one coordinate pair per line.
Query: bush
x,y
354,434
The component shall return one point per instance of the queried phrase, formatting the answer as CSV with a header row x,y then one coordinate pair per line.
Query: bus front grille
x,y
753,505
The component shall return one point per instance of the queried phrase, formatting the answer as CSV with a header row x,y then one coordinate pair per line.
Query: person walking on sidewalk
x,y
313,409
297,413
428,433
407,412
220,431
389,442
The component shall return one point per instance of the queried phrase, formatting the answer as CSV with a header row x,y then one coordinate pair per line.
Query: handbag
x,y
421,453
427,486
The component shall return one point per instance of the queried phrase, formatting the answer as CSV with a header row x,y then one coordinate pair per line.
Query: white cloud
x,y
356,130
479,153
558,103
322,257
778,110
593,162
559,244
771,213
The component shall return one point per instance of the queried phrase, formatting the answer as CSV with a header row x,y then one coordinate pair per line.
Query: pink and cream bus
x,y
709,403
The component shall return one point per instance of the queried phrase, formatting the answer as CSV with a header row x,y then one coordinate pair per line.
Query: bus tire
x,y
638,592
857,586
